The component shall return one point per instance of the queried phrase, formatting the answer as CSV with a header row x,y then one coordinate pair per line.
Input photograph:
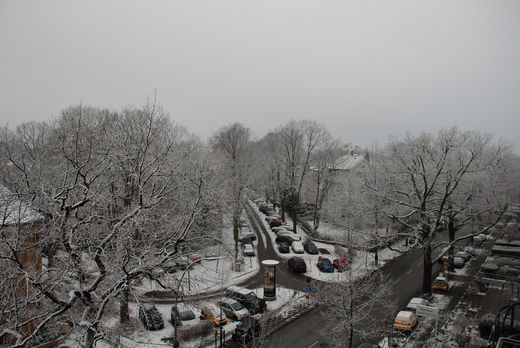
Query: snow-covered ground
x,y
216,272
142,338
361,262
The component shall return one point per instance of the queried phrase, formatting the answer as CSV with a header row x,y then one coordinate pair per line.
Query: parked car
x,y
284,239
181,314
284,247
275,223
248,250
248,298
297,265
264,208
297,247
416,301
150,317
250,235
325,265
508,271
279,229
233,309
489,267
470,251
481,238
245,240
195,258
272,217
170,267
464,254
458,262
248,328
405,321
243,223
287,227
207,313
341,264
270,212
182,264
441,284
293,236
310,247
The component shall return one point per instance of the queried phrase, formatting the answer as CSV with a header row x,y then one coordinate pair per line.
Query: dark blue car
x,y
325,265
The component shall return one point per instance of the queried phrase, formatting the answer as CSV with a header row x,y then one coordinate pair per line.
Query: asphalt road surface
x,y
310,330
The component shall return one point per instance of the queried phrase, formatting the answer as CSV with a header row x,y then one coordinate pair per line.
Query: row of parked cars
x,y
238,304
246,238
297,265
406,320
287,240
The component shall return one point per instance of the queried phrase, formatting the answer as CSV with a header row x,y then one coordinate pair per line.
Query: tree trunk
x,y
51,252
451,234
235,236
89,341
295,218
351,318
124,316
282,207
427,269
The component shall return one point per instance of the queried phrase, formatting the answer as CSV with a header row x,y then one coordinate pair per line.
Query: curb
x,y
290,320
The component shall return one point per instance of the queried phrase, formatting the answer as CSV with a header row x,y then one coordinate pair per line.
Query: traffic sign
x,y
308,288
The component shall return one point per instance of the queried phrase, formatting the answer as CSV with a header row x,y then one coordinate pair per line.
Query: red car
x,y
275,223
195,258
340,264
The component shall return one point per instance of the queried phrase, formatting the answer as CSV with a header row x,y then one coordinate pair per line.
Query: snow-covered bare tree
x,y
323,175
233,143
292,148
360,307
454,175
121,194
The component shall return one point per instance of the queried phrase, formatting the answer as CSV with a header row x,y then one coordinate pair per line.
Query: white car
x,y
297,247
183,314
464,254
248,250
416,301
459,262
279,229
233,309
292,235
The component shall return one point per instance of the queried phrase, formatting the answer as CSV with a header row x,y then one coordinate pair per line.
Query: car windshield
x,y
246,323
250,297
186,315
237,306
243,327
326,262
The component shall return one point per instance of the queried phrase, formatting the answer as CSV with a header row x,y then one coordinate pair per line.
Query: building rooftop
x,y
13,210
349,162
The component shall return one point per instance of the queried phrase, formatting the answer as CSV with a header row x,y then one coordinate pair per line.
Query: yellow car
x,y
441,284
405,321
208,314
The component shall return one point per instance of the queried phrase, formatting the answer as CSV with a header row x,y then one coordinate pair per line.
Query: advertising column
x,y
270,279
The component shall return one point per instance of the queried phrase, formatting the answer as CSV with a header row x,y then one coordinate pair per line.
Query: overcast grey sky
x,y
365,69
